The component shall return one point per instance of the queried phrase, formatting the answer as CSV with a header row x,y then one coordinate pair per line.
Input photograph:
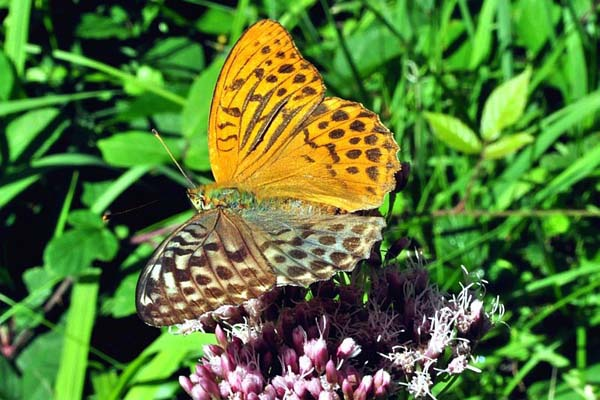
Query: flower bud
x,y
347,349
362,391
226,364
221,336
268,394
314,387
186,384
289,359
381,382
305,364
331,372
252,383
347,390
316,350
299,338
300,388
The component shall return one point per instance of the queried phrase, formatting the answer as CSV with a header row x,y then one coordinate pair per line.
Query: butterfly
x,y
290,167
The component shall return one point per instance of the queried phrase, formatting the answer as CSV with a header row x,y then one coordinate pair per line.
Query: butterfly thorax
x,y
211,196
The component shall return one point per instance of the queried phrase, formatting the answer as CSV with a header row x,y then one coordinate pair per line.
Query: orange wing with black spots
x,y
273,133
265,90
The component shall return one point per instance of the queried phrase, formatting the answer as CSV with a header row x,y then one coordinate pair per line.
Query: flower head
x,y
337,346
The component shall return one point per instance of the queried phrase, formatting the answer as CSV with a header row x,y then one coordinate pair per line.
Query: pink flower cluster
x,y
304,369
337,345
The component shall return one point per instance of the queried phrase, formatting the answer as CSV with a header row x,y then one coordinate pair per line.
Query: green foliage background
x,y
504,178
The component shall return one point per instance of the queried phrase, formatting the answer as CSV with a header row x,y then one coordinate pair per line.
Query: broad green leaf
x,y
39,363
216,21
195,117
85,219
482,42
506,145
10,384
22,131
36,280
73,252
122,303
505,106
453,132
17,30
534,36
375,39
134,148
197,105
78,332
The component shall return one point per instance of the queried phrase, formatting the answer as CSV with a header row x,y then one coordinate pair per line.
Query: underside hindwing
x,y
303,250
208,262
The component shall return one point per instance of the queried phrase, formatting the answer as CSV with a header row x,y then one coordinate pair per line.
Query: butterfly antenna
x,y
160,139
107,216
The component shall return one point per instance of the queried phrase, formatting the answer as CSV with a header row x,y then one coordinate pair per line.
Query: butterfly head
x,y
198,199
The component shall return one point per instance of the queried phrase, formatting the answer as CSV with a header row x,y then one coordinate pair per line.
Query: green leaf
x,y
197,105
117,187
78,332
552,128
85,219
364,43
505,106
506,145
134,148
10,190
93,190
556,224
118,74
39,363
176,53
73,252
17,29
585,166
22,131
216,21
197,157
146,75
104,383
10,384
36,280
8,77
453,132
15,106
482,42
534,36
122,304
96,26
168,351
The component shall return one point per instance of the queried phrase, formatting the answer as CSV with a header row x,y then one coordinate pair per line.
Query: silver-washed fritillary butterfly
x,y
290,165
